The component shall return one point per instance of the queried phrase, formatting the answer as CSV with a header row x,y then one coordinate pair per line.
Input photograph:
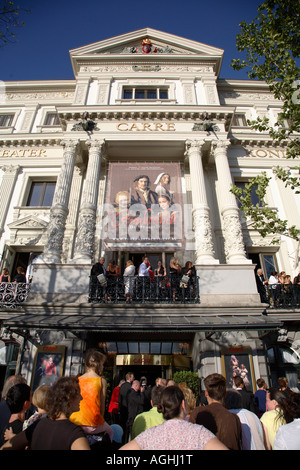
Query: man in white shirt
x,y
144,268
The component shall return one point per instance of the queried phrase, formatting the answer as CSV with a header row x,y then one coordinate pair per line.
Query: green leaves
x,y
9,19
271,43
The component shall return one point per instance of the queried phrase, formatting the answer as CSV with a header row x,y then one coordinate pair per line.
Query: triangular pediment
x,y
28,223
146,42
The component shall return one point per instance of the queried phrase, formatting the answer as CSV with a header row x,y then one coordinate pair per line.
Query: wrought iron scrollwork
x,y
137,289
12,295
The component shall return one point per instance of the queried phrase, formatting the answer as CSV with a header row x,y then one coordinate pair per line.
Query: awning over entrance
x,y
142,322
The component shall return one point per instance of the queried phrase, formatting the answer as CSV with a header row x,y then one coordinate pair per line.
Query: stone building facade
x,y
142,103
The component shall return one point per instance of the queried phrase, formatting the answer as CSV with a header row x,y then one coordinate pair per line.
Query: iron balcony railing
x,y
13,294
282,296
136,289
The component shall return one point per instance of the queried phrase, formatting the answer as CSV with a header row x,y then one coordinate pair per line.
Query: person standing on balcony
x,y
97,290
5,277
129,273
20,276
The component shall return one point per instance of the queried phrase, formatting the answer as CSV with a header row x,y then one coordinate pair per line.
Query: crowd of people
x,y
144,278
279,289
74,414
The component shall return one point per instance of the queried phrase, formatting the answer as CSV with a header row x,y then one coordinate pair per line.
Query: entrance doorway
x,y
150,372
121,258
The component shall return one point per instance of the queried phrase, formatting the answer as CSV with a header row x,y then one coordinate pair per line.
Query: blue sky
x,y
41,48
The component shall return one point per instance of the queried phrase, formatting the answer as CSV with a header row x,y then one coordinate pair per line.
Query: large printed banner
x,y
143,207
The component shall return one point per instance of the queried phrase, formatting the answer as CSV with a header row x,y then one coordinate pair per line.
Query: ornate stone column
x,y
59,209
84,247
201,218
9,179
234,243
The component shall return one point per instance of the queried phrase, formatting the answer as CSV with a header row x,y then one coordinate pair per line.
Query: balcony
x,y
13,294
283,296
141,290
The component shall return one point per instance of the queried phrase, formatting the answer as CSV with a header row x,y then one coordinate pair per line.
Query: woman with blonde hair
x,y
128,280
189,397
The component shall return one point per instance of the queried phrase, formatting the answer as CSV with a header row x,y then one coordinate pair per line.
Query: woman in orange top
x,y
93,390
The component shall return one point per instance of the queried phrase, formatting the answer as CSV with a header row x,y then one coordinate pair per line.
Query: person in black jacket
x,y
97,291
261,286
247,397
135,400
123,403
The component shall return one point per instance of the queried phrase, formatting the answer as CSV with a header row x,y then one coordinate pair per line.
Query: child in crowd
x,y
18,400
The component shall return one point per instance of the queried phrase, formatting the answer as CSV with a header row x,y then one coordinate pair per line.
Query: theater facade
x,y
136,156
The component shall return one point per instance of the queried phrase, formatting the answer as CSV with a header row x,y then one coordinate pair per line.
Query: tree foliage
x,y
271,45
9,21
190,378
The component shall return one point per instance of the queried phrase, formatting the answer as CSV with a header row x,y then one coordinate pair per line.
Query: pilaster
x,y
6,190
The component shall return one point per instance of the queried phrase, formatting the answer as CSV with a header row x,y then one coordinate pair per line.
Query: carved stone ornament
x,y
203,234
85,235
147,48
55,233
86,124
234,243
206,125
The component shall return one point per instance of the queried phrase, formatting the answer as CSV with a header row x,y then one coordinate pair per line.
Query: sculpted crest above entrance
x,y
146,42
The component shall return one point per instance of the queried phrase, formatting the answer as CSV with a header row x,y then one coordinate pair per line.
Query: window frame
x,y
43,191
51,116
146,89
237,117
11,120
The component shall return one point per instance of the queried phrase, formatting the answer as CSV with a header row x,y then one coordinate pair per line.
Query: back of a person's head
x,y
238,381
293,405
40,396
215,385
10,382
233,400
156,393
260,382
170,404
282,382
62,396
95,360
17,396
277,395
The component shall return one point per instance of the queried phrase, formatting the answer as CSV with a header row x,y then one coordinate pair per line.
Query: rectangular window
x,y
127,94
6,120
41,194
239,120
140,94
163,94
145,93
51,120
254,198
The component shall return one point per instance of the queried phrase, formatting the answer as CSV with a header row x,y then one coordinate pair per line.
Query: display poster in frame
x,y
48,365
143,208
238,361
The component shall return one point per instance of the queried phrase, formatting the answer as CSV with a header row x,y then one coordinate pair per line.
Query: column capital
x,y
69,143
95,144
220,146
195,144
